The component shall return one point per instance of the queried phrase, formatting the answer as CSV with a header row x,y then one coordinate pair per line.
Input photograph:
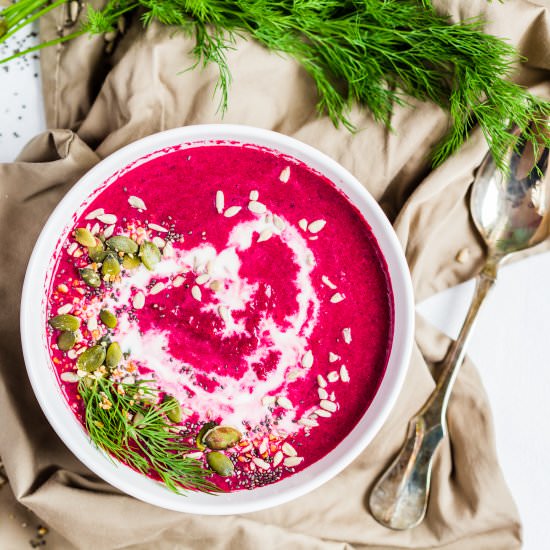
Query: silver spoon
x,y
512,213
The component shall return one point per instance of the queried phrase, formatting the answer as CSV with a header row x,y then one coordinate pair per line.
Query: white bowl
x,y
64,422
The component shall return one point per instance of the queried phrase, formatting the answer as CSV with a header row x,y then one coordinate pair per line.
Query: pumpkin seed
x,y
173,410
91,359
113,355
149,254
84,237
220,463
222,437
97,252
203,431
108,318
66,341
120,243
65,322
90,277
130,262
110,266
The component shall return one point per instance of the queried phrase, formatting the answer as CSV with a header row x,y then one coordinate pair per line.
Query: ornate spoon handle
x,y
400,496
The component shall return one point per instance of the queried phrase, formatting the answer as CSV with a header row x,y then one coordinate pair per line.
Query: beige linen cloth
x,y
97,103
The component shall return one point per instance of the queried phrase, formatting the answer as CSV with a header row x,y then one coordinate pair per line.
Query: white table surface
x,y
509,344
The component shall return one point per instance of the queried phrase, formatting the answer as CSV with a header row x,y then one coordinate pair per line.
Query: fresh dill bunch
x,y
125,421
375,53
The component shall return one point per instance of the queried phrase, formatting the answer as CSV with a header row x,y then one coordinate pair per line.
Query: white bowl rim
x,y
68,427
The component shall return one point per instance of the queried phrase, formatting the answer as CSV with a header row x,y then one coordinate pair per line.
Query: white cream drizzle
x,y
240,401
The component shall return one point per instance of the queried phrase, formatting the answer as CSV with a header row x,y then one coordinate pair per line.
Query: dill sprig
x,y
125,421
375,53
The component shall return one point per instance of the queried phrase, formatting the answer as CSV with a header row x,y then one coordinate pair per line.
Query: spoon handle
x,y
399,498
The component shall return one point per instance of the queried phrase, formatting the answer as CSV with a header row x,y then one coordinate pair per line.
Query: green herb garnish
x,y
377,53
126,421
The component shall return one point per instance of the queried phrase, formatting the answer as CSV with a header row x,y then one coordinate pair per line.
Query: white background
x,y
510,342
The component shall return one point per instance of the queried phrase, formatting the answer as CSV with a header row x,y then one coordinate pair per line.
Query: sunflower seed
x,y
232,211
92,323
323,413
278,222
216,286
219,201
202,279
107,219
344,374
195,456
265,235
307,359
196,293
94,214
136,202
168,250
284,176
72,248
327,405
322,393
159,287
263,446
158,242
139,300
333,376
257,207
284,402
254,195
95,229
332,396
178,281
321,381
328,282
109,231
261,463
336,298
277,459
303,224
268,400
69,377
223,312
308,422
346,333
294,375
67,308
157,227
332,357
288,449
316,226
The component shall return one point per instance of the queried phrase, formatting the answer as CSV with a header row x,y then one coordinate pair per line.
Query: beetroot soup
x,y
220,317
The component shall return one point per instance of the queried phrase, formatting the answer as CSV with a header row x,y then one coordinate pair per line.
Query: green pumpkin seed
x,y
110,266
130,262
149,254
97,252
65,322
66,341
173,410
90,277
120,243
91,359
108,318
220,463
113,356
84,237
222,437
203,431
